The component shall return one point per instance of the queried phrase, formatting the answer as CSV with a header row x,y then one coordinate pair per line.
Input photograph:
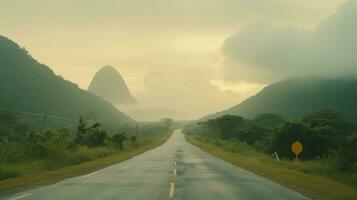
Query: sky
x,y
192,57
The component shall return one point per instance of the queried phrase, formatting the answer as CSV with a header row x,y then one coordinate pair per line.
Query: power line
x,y
41,115
21,112
61,118
37,114
63,123
45,117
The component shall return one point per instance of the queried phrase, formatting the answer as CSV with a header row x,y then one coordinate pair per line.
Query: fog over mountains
x,y
109,84
27,85
294,98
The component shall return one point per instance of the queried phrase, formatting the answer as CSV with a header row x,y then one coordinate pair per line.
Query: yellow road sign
x,y
296,147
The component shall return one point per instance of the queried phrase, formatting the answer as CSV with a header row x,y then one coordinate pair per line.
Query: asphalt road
x,y
175,170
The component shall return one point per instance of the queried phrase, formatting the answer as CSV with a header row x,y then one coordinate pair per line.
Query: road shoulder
x,y
312,186
18,184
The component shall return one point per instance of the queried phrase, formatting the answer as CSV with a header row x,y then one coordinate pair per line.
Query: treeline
x,y
324,135
23,151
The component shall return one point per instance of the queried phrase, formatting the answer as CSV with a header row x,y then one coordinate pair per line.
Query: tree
x,y
347,154
225,124
95,137
330,118
286,135
118,140
81,130
268,121
134,140
90,136
317,141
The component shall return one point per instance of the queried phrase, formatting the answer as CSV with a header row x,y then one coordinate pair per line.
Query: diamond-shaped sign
x,y
296,147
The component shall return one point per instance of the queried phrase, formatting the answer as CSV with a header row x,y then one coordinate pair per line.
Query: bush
x,y
118,140
91,136
52,149
324,135
46,144
348,153
316,141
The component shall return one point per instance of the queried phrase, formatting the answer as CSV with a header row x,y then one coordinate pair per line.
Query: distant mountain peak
x,y
27,85
109,68
110,85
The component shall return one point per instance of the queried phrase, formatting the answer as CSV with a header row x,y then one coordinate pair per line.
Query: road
x,y
175,170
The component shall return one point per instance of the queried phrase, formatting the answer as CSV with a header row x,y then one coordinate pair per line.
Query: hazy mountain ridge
x,y
297,97
109,84
27,85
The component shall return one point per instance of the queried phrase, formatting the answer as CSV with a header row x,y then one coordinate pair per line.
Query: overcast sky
x,y
191,56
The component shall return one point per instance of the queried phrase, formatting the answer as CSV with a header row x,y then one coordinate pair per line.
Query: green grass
x,y
308,178
31,174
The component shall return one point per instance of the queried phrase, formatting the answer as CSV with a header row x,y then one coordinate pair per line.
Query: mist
x,y
186,59
267,53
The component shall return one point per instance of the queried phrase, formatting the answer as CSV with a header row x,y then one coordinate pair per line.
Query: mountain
x,y
27,85
297,97
108,84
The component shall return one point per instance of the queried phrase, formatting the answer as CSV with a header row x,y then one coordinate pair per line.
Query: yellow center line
x,y
21,196
172,190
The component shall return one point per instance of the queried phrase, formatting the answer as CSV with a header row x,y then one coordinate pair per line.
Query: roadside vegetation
x,y
24,153
329,148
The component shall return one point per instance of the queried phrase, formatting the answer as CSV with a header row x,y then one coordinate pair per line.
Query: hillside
x,y
109,84
27,85
297,97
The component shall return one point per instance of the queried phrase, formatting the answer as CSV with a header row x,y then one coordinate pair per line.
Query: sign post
x,y
297,148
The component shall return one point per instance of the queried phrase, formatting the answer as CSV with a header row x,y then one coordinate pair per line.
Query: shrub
x,y
315,143
118,140
91,136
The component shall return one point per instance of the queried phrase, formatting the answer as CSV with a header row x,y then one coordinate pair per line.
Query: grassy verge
x,y
310,185
50,176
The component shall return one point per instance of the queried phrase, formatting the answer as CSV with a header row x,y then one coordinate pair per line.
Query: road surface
x,y
175,170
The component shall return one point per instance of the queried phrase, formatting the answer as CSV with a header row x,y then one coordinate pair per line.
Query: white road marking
x,y
175,163
174,172
91,174
21,196
172,190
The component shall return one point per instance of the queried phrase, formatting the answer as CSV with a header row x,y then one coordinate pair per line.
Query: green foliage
x,y
324,135
268,121
118,140
315,143
295,98
11,126
225,125
321,134
236,127
91,136
347,154
330,118
52,149
27,85
134,140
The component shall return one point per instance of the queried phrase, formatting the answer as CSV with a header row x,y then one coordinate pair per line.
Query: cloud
x,y
178,41
165,14
266,53
187,91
